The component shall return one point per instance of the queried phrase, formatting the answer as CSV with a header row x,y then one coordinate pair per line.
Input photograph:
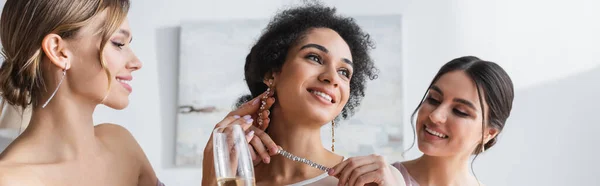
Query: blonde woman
x,y
63,58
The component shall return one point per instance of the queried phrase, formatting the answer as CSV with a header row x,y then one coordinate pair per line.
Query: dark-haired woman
x,y
315,64
464,109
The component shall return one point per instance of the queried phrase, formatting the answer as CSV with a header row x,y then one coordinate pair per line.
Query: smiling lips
x,y
435,133
124,80
321,93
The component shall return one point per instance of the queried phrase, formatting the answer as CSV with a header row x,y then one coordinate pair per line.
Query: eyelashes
x,y
314,57
344,72
117,44
436,102
432,101
317,59
460,113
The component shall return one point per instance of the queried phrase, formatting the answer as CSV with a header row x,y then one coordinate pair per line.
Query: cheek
x,y
288,83
423,113
113,60
345,93
294,74
468,132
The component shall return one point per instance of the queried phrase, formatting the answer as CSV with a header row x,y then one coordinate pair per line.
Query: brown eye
x,y
314,57
344,72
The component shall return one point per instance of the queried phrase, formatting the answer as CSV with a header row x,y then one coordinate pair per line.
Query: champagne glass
x,y
233,163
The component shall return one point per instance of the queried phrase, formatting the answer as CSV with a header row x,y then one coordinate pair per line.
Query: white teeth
x,y
323,95
435,133
124,81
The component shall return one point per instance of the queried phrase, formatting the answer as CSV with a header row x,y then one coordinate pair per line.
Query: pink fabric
x,y
160,183
410,181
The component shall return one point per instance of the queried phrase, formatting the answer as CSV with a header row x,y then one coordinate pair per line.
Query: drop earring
x,y
263,102
57,86
482,148
333,136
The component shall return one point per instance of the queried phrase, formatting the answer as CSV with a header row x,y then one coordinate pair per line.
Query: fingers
x,y
344,171
265,124
250,135
225,127
264,113
251,106
267,141
257,107
349,170
232,119
371,177
350,163
263,145
260,150
255,158
229,132
247,108
362,171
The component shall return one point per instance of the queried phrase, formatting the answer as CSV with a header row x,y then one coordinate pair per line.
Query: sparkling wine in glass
x,y
233,163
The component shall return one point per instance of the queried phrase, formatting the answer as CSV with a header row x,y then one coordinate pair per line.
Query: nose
x,y
330,76
134,64
438,116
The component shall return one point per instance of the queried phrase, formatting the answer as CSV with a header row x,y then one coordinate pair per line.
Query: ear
x,y
56,50
269,76
490,134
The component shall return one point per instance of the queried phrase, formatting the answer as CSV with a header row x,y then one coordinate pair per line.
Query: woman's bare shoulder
x,y
117,137
121,142
13,175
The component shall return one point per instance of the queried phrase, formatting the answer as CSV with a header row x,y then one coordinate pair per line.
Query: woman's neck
x,y
299,138
63,130
435,170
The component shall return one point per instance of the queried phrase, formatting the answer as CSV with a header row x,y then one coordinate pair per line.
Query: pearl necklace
x,y
288,155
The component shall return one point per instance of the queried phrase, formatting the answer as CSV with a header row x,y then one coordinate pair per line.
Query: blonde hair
x,y
23,26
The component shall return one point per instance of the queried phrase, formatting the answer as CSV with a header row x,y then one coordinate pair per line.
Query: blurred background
x,y
550,49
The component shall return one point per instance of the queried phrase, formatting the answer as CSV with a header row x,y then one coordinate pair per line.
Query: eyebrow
x,y
126,33
459,100
323,49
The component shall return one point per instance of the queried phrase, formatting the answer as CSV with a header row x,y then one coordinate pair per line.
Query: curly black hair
x,y
288,28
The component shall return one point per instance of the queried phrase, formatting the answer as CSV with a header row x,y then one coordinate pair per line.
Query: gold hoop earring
x,y
333,136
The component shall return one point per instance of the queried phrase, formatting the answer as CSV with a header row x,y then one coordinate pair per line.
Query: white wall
x,y
547,47
550,48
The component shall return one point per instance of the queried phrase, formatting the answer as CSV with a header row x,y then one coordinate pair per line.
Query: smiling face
x,y
314,81
449,121
88,79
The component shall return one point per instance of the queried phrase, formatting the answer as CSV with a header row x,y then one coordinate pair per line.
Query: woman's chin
x,y
117,105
